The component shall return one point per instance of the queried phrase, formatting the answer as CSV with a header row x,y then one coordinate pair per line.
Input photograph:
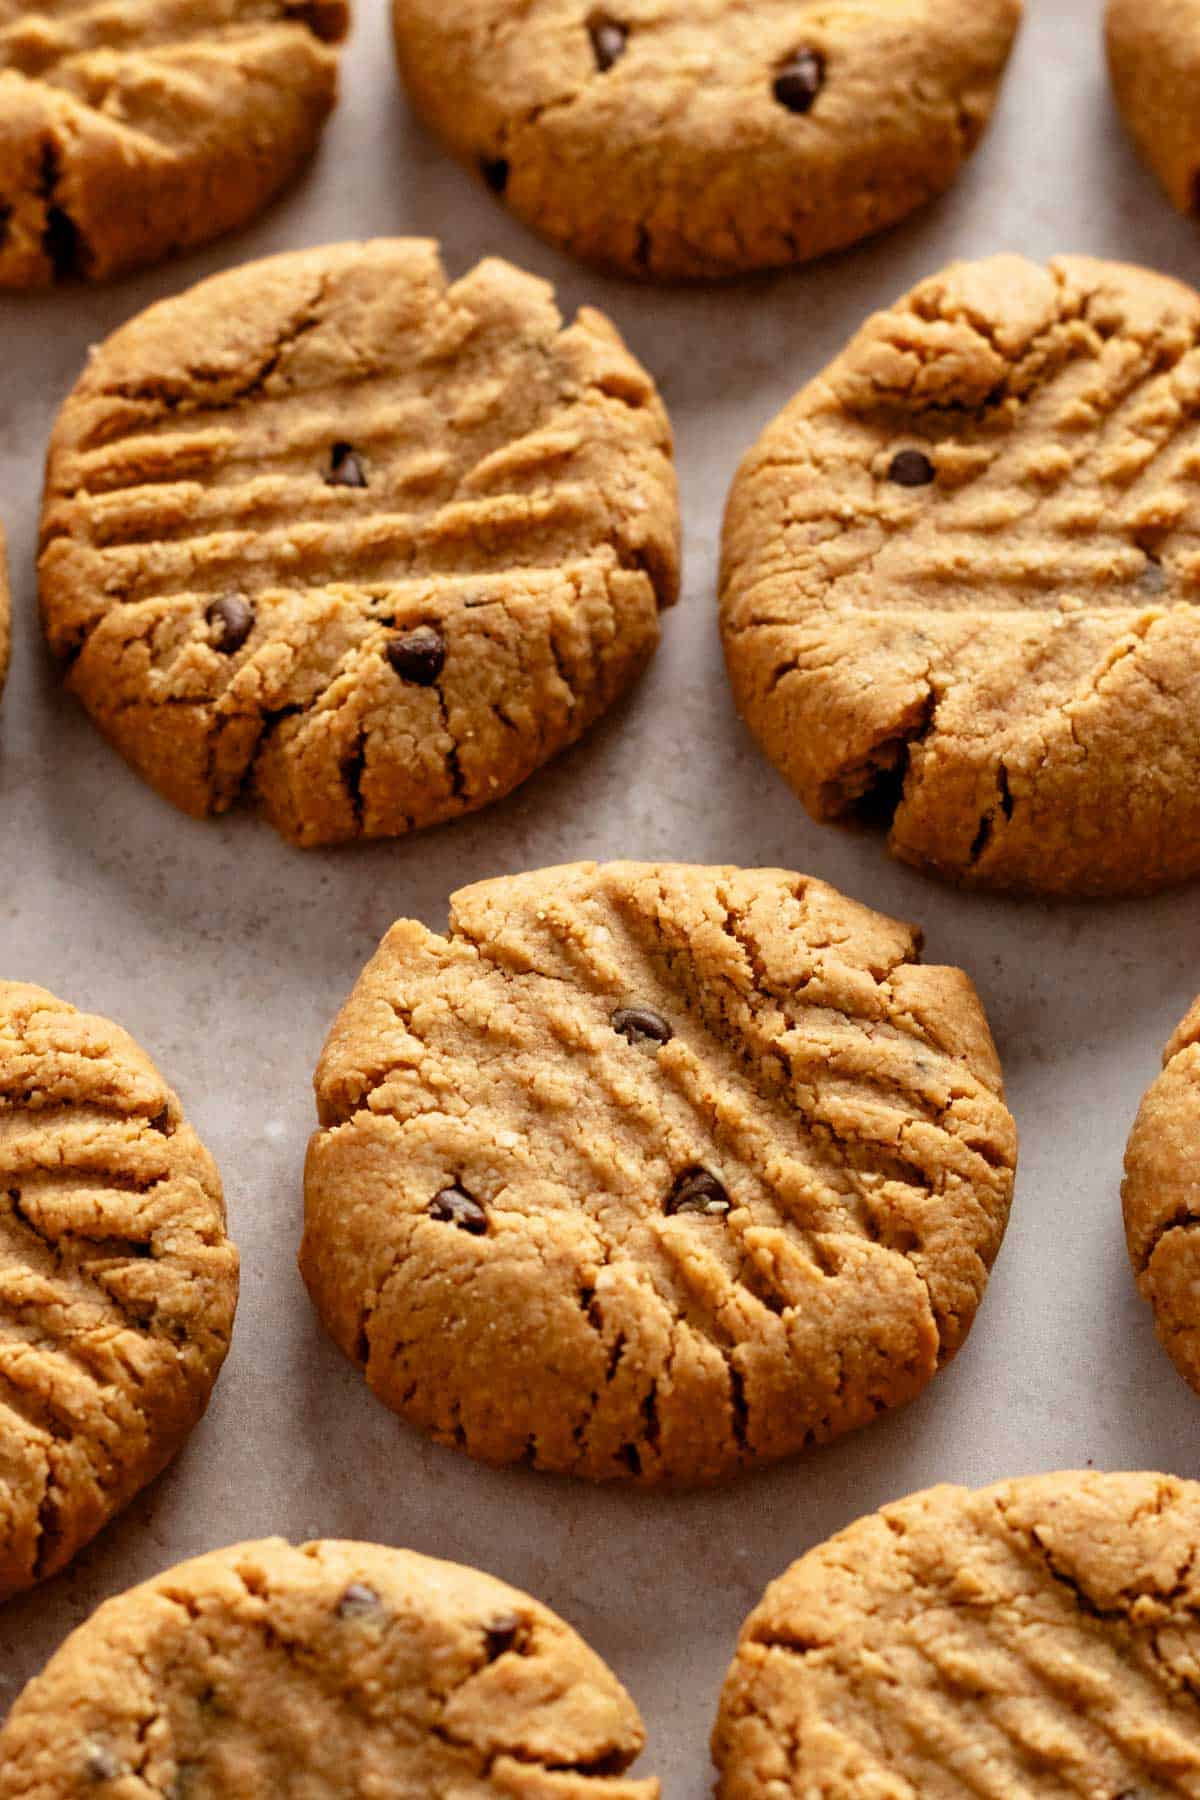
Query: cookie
x,y
370,544
117,1281
961,573
1026,1641
5,611
652,1171
674,139
1161,1198
1154,62
333,1671
138,128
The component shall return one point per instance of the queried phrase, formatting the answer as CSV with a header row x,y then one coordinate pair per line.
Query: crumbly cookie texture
x,y
5,611
1154,62
961,572
1161,1198
131,129
680,138
1029,1641
335,1671
117,1281
372,544
652,1171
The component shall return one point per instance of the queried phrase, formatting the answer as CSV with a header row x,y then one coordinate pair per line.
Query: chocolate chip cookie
x,y
332,1671
960,579
681,138
368,544
1161,1198
1028,1641
652,1171
5,611
117,1281
1154,62
136,128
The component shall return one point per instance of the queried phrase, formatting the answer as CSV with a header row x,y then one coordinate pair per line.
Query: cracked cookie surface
x,y
693,138
371,543
1154,63
132,129
1161,1198
653,1171
5,612
117,1282
335,1671
960,579
1029,1641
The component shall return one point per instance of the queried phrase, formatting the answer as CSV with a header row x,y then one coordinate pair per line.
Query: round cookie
x,y
117,1281
961,574
5,611
373,544
652,1171
1161,1198
1154,62
701,138
336,1671
138,128
1029,1641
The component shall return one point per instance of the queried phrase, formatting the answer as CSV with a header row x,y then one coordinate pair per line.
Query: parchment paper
x,y
227,954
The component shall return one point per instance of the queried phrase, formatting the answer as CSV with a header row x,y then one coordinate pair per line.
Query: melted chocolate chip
x,y
641,1025
453,1207
696,1191
418,656
502,1635
100,1764
357,1601
231,620
800,80
608,40
911,468
345,468
495,173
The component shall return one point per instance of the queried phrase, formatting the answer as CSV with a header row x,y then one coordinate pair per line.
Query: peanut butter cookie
x,y
131,129
117,1281
1161,1198
1154,61
334,1671
652,1171
372,544
961,572
1030,1641
678,138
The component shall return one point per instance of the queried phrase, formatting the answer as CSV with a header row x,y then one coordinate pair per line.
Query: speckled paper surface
x,y
227,954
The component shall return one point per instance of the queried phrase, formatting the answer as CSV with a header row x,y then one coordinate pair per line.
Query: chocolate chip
x,y
453,1207
495,173
800,80
696,1191
642,1025
231,620
911,468
418,656
608,40
345,468
502,1635
357,1601
100,1764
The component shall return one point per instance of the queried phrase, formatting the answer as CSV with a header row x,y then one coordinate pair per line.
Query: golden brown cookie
x,y
334,1671
654,1171
706,137
1161,1198
1036,1640
117,1281
1154,61
5,611
961,574
135,128
373,544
